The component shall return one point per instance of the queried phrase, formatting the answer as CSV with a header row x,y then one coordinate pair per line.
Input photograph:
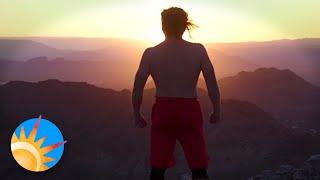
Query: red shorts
x,y
177,119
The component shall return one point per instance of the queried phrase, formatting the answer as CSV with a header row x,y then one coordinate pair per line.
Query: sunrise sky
x,y
218,20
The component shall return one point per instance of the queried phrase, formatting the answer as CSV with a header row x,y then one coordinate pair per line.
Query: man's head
x,y
175,21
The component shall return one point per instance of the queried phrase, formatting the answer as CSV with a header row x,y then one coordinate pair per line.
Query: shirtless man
x,y
175,66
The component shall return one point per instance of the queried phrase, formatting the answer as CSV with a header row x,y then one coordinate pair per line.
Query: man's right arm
x,y
139,83
212,85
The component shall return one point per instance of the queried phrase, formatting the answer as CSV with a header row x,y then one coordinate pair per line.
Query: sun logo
x,y
41,149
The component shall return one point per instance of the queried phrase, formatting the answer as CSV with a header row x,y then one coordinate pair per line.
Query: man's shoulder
x,y
148,51
195,45
198,45
157,46
153,49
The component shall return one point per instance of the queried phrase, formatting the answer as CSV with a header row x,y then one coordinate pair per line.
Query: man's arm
x,y
139,83
212,85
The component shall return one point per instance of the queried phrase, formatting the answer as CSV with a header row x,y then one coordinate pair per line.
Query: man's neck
x,y
173,39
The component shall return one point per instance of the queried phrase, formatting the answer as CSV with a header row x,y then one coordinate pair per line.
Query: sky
x,y
218,20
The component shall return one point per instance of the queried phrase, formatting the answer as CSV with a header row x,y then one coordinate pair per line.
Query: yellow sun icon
x,y
28,151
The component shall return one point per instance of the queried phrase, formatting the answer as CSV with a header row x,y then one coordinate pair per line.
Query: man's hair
x,y
175,21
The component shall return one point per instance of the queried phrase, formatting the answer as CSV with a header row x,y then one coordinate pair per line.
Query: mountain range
x,y
120,58
281,92
103,143
301,55
270,93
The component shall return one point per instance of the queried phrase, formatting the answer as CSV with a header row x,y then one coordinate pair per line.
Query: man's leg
x,y
157,174
162,138
199,173
193,142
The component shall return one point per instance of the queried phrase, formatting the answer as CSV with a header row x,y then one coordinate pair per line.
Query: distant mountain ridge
x,y
280,92
110,73
24,49
273,51
300,55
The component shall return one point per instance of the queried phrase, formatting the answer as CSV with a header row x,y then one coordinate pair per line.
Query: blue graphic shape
x,y
52,133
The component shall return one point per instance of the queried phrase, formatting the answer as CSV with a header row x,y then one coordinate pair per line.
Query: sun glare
x,y
142,21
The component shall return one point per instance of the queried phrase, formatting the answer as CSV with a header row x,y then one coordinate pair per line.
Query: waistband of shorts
x,y
175,99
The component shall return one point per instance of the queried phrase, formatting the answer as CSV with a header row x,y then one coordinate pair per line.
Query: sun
x,y
28,152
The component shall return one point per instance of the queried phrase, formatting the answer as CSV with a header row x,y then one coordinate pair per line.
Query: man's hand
x,y
215,118
139,122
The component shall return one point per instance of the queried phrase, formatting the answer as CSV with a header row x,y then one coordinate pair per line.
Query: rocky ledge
x,y
310,170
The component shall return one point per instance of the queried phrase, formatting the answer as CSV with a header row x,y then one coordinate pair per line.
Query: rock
x,y
309,171
267,172
314,162
275,177
300,174
285,171
258,177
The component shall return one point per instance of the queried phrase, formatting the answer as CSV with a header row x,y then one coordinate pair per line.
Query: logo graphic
x,y
37,144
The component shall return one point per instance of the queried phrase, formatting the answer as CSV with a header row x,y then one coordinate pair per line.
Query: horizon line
x,y
146,41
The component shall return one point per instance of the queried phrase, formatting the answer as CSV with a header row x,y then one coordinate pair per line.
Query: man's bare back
x,y
175,66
